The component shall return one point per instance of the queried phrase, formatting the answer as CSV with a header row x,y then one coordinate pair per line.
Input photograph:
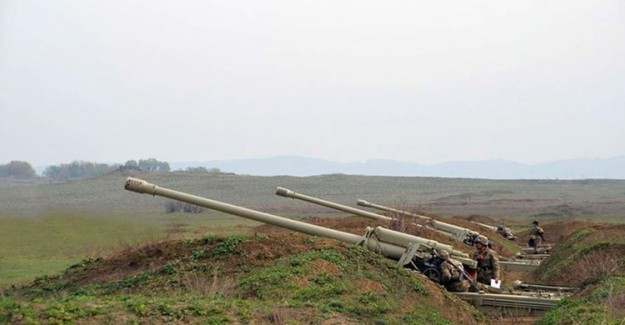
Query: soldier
x,y
487,261
453,276
505,232
536,236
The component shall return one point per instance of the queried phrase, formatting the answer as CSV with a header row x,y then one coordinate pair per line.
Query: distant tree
x,y
131,164
17,169
177,206
154,165
214,171
197,170
52,172
78,169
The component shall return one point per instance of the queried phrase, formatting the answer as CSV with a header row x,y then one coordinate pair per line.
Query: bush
x,y
177,206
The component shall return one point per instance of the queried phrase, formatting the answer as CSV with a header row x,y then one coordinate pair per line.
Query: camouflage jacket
x,y
536,232
452,278
450,271
487,264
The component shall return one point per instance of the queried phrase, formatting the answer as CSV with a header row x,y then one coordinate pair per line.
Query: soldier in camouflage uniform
x,y
452,274
487,261
536,236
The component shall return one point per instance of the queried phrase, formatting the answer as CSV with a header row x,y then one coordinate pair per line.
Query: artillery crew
x,y
536,236
487,261
453,276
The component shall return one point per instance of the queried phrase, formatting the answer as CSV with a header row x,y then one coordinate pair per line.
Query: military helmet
x,y
443,255
500,227
482,240
535,222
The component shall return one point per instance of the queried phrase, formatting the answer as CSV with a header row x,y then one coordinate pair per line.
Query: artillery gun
x,y
464,235
409,251
503,231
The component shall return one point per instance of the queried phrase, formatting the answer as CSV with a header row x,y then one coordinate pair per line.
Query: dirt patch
x,y
282,244
126,262
367,285
320,266
300,282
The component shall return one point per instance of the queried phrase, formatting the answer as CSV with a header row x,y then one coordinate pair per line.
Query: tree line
x,y
85,169
17,169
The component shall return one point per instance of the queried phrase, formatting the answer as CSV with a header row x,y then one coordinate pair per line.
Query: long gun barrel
x,y
503,231
493,228
281,191
464,235
392,244
384,208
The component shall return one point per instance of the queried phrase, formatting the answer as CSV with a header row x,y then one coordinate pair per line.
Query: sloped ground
x,y
279,279
274,276
590,255
357,225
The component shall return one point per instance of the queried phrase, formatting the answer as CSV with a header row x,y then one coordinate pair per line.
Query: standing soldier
x,y
536,236
452,274
487,261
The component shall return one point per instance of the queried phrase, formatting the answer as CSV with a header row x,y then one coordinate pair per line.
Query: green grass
x,y
306,287
33,247
602,306
592,257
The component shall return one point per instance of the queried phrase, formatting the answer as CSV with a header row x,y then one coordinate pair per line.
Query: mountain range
x,y
582,168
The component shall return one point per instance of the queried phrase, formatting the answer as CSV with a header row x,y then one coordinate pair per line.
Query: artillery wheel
x,y
432,274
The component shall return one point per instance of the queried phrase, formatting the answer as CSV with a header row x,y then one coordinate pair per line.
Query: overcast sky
x,y
344,80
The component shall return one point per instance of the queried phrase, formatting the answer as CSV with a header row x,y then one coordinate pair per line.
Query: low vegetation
x,y
593,258
281,279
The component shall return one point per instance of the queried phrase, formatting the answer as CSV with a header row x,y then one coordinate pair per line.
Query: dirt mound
x,y
558,232
357,225
586,252
260,279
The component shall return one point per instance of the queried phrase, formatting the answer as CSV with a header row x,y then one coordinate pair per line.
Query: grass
x,y
33,247
603,306
593,259
309,286
521,199
46,228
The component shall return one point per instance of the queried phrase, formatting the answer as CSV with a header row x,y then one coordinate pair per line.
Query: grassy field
x,y
46,226
37,246
524,199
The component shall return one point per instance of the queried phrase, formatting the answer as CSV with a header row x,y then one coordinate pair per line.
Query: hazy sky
x,y
343,80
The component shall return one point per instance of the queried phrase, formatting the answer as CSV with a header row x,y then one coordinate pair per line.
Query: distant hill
x,y
583,168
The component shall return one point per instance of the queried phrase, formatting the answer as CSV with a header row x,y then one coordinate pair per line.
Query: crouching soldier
x,y
487,261
453,276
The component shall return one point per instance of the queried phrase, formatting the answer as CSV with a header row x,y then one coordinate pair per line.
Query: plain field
x,y
47,226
